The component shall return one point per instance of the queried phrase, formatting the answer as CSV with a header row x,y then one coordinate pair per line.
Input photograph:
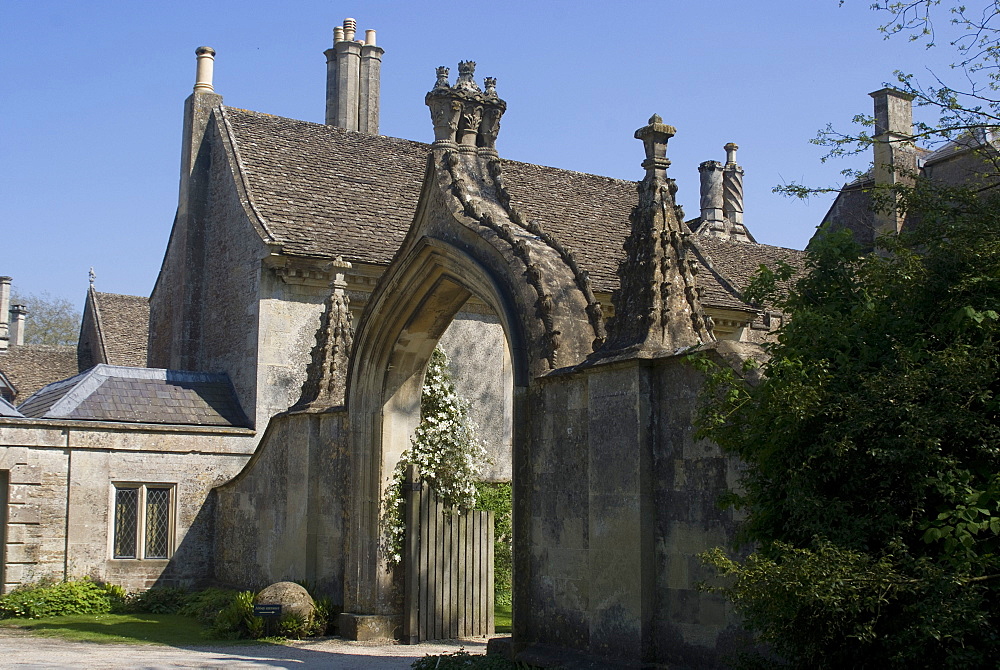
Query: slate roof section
x,y
140,395
124,324
324,191
29,367
8,410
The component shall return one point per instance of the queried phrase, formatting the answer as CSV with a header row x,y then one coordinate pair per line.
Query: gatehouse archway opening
x,y
448,300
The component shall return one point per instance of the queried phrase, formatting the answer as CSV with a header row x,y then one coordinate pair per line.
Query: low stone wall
x,y
282,517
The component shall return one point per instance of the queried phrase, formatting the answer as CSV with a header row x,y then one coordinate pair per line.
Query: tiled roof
x,y
324,191
734,263
29,367
124,324
143,395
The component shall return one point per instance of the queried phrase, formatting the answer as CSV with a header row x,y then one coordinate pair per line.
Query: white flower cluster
x,y
445,449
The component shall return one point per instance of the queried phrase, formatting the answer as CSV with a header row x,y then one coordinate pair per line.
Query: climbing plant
x,y
444,447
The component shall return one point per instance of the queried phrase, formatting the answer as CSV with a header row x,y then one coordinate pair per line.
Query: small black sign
x,y
267,610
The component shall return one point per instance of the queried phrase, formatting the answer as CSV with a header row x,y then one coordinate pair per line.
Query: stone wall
x,y
616,500
289,316
52,463
282,518
481,369
228,313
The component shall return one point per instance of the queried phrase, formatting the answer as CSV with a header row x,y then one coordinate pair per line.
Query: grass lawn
x,y
170,629
501,618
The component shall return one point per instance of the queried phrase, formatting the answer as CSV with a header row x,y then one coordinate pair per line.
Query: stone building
x,y
257,443
968,160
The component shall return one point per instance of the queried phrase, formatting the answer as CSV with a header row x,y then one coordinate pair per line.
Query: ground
x,y
20,649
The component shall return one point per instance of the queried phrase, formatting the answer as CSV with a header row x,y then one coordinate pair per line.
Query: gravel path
x,y
20,649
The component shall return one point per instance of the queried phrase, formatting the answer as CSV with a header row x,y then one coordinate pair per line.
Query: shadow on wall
x,y
191,564
282,517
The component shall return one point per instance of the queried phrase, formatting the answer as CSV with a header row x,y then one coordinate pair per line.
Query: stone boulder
x,y
293,598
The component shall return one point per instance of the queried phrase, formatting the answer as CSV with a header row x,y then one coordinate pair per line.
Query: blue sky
x,y
93,91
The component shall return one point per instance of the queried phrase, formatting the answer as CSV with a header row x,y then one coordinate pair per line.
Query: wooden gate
x,y
449,568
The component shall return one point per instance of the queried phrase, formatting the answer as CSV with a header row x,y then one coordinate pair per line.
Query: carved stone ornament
x,y
442,78
326,375
466,76
462,114
657,307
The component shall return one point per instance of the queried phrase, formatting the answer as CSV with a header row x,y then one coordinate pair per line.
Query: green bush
x,y
496,497
206,604
462,660
47,598
160,600
237,621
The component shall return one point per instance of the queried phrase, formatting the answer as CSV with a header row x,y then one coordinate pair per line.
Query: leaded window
x,y
143,521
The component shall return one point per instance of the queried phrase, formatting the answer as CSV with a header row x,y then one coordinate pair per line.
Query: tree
x,y
872,449
49,320
444,447
966,100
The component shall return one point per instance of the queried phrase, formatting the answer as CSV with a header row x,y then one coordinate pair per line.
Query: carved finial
x,y
442,78
463,116
92,276
326,374
466,76
654,139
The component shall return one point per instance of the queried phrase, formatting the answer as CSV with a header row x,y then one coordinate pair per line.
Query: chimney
x,y
353,71
732,187
895,159
4,311
711,195
722,199
197,110
206,69
17,315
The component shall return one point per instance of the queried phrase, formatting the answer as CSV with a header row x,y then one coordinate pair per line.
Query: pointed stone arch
x,y
466,239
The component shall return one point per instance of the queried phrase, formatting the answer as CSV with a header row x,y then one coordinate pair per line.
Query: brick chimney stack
x,y
4,311
353,72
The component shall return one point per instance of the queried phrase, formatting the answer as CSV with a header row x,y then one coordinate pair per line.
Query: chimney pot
x,y
206,69
350,27
370,38
338,34
731,153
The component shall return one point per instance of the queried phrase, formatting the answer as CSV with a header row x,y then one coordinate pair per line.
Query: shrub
x,y
237,621
445,449
462,660
45,599
206,604
161,600
496,497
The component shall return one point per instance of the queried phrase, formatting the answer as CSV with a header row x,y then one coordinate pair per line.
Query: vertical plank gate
x,y
448,568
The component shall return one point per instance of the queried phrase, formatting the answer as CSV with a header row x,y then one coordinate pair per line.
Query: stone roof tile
x,y
124,321
29,367
324,191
